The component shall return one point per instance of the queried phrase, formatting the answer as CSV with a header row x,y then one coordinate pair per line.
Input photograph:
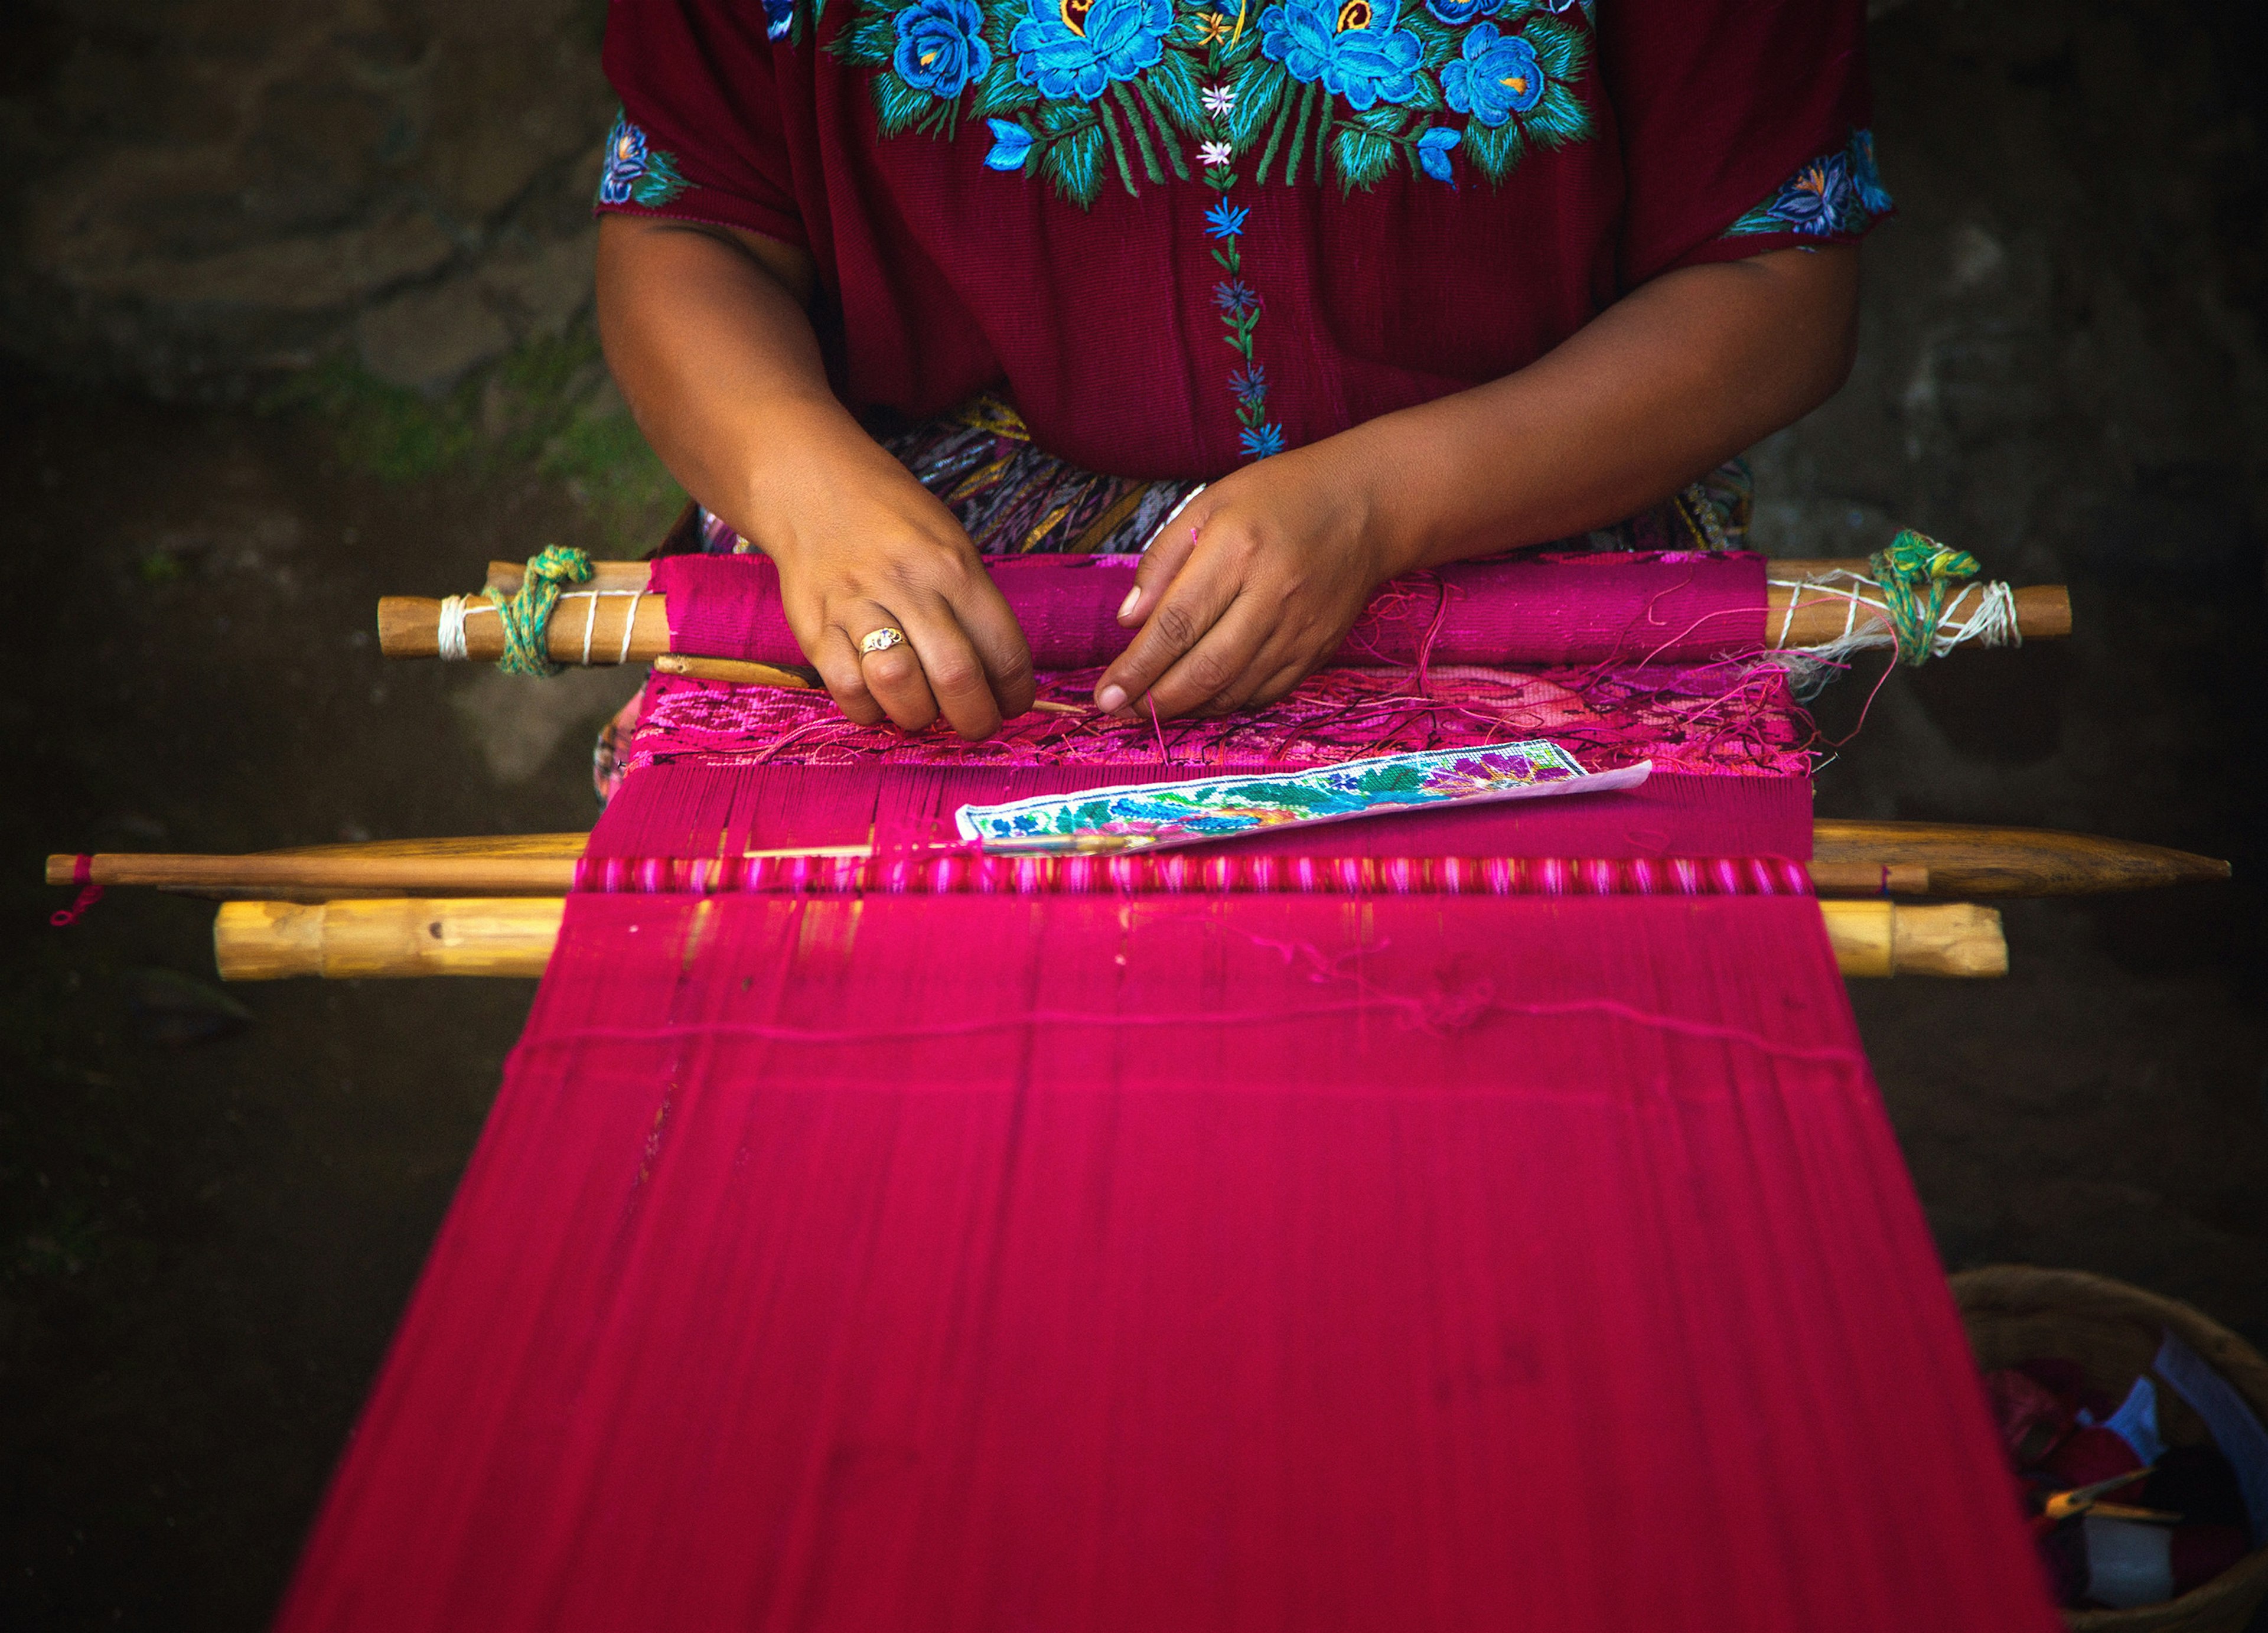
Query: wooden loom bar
x,y
513,936
588,624
1849,858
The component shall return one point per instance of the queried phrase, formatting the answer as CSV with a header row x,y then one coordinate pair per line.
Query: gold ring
x,y
881,641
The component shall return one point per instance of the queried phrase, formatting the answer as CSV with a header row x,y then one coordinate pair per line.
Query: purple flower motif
x,y
1235,298
1225,220
1250,384
1259,442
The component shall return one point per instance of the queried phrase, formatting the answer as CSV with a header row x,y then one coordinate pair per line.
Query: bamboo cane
x,y
514,936
588,625
1850,859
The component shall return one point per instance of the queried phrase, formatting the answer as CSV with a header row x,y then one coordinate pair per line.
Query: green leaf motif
x,y
1074,162
1558,49
1260,89
897,105
1559,119
1362,157
1001,92
1174,83
869,40
1494,150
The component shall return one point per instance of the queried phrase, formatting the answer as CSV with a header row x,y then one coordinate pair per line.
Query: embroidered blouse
x,y
1178,235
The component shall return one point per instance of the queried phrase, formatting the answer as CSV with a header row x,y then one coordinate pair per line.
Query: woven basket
x,y
2014,1313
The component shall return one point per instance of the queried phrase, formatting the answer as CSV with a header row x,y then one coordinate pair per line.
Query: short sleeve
x,y
699,137
1744,128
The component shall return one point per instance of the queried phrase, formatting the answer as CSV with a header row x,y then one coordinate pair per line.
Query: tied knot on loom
x,y
526,614
1913,574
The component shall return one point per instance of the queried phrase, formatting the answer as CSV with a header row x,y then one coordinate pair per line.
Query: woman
x,y
1398,281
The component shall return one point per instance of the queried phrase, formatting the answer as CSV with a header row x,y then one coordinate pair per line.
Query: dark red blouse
x,y
1177,236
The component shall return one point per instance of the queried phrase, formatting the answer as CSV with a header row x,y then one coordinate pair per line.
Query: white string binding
x,y
450,637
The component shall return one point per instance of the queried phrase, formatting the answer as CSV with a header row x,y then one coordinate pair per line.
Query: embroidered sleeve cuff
x,y
639,178
1835,197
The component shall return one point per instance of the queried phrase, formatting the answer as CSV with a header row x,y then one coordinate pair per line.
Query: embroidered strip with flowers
x,y
1836,194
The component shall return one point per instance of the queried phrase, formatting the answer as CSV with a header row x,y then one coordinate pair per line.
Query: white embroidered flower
x,y
1213,155
1219,100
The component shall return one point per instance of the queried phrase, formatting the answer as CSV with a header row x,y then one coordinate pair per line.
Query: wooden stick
x,y
1852,858
410,626
514,936
1964,859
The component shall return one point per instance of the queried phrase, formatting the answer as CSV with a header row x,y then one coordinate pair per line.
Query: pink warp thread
x,y
1542,609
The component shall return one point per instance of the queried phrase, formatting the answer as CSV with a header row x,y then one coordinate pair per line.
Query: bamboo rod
x,y
587,625
316,877
1856,858
514,936
1967,859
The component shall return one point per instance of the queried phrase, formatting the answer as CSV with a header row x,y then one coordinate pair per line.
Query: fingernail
x,y
1133,599
1110,699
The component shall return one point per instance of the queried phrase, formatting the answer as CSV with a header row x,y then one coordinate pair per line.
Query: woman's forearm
x,y
1675,378
708,336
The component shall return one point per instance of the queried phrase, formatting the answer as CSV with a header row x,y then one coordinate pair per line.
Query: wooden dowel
x,y
410,626
1967,859
514,936
1854,858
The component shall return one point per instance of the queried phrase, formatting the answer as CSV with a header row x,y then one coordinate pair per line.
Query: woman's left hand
x,y
1250,587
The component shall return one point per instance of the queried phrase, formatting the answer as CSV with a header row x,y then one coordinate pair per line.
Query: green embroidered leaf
x,y
1060,118
1558,48
1260,90
1074,162
1175,83
1558,118
1362,157
1001,92
897,105
869,40
1437,43
1428,99
1494,150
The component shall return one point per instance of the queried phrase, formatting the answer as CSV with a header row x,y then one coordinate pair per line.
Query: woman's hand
x,y
860,546
707,331
1255,584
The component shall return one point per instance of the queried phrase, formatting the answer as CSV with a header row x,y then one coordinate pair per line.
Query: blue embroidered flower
x,y
1225,220
635,174
1352,46
1259,441
1457,13
625,162
1433,149
1496,76
779,17
1012,145
1249,386
941,45
1813,199
1076,48
1235,299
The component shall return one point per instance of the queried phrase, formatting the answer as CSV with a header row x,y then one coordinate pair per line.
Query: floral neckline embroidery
x,y
1079,91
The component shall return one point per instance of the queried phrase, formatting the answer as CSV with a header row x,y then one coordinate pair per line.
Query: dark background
x,y
296,303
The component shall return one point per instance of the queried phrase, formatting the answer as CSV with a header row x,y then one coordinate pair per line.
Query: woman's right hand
x,y
860,546
707,331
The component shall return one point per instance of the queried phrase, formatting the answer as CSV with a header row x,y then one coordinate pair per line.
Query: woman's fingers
x,y
1163,559
984,617
1189,607
836,656
1218,665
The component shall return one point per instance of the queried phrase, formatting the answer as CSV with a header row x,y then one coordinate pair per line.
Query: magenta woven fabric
x,y
963,1263
1534,609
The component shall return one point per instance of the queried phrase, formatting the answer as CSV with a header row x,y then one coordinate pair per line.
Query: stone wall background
x,y
212,194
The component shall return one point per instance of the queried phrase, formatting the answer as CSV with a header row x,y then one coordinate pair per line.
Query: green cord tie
x,y
527,616
1913,562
